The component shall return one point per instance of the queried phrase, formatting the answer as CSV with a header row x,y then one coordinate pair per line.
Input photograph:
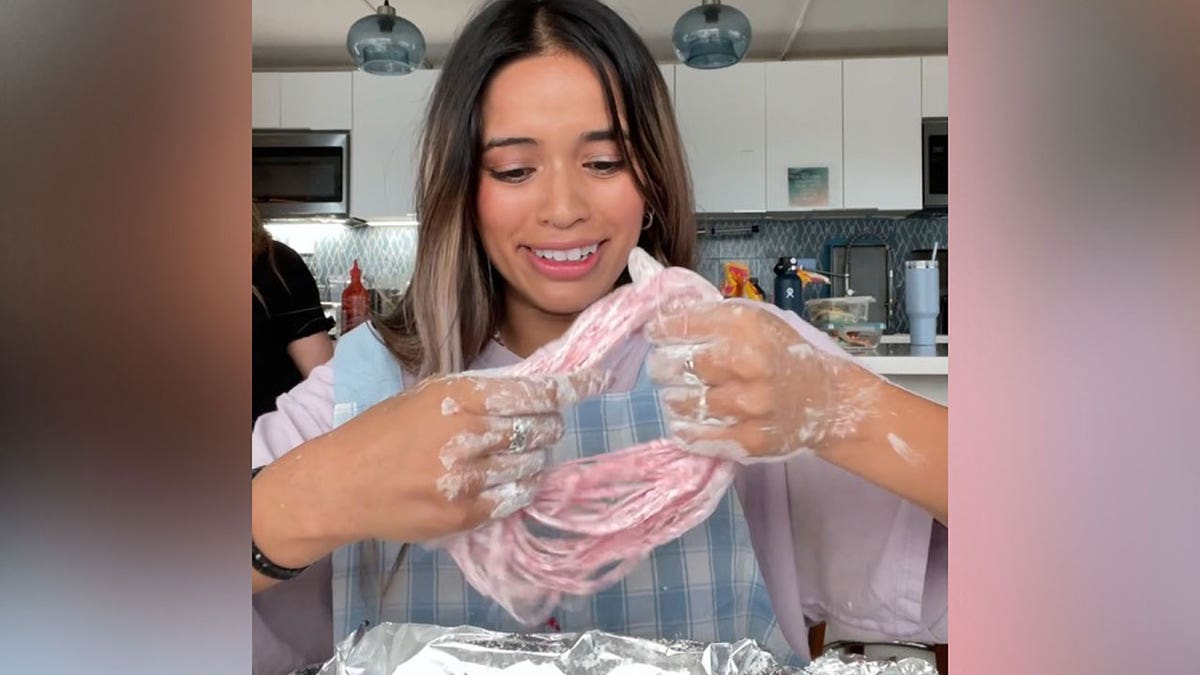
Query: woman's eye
x,y
606,167
512,175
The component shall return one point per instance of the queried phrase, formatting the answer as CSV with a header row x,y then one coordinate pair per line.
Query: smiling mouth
x,y
575,254
568,261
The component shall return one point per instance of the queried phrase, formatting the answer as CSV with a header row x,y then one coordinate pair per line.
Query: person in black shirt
x,y
291,331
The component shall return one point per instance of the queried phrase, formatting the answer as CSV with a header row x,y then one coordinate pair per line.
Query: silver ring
x,y
520,435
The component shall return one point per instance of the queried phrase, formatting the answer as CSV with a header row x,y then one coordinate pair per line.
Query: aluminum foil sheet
x,y
412,649
853,664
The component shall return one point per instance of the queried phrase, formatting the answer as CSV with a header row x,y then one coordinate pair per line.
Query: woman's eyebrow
x,y
506,141
600,135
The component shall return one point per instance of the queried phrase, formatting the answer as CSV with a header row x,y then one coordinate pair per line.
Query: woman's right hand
x,y
445,457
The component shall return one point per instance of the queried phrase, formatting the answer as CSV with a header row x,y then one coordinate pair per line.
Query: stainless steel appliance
x,y
935,166
301,173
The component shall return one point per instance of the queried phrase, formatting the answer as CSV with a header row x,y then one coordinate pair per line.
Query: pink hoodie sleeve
x,y
301,414
293,622
835,547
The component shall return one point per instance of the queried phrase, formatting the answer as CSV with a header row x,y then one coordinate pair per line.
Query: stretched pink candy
x,y
593,519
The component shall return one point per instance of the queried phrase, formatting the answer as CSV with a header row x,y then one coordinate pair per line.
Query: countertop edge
x,y
907,365
905,338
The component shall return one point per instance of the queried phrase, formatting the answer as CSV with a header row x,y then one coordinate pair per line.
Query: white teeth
x,y
563,255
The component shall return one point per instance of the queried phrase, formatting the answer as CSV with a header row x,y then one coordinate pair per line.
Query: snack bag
x,y
736,278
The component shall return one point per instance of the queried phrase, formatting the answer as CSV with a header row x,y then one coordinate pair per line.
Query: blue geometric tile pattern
x,y
386,254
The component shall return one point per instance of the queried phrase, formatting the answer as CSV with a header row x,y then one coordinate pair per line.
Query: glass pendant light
x,y
386,44
711,35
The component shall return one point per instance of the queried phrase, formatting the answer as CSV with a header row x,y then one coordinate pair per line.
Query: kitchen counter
x,y
921,370
904,359
905,338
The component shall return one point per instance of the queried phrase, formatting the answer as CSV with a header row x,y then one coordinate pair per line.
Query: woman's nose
x,y
565,202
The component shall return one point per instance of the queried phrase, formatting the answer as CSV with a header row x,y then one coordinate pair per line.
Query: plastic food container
x,y
857,337
838,311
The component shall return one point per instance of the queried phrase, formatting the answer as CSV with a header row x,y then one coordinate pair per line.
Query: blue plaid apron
x,y
704,586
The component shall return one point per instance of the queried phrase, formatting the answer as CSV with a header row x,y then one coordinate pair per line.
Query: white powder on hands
x,y
904,449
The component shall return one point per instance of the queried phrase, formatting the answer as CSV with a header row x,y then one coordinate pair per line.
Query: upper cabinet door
x,y
935,86
315,100
264,100
882,133
804,135
722,118
388,116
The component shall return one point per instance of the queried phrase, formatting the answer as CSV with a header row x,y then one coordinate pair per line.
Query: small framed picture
x,y
808,186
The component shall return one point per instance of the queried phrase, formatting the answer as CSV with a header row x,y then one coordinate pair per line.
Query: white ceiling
x,y
311,34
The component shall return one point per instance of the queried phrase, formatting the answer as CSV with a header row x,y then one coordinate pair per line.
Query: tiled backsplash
x,y
386,253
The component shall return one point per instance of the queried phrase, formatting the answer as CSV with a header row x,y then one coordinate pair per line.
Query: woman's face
x,y
557,206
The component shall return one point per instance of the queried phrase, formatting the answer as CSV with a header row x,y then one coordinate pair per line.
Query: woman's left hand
x,y
741,384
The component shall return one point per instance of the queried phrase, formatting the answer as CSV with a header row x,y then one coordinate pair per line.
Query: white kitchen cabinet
x,y
315,100
804,135
722,119
882,133
388,114
264,100
935,86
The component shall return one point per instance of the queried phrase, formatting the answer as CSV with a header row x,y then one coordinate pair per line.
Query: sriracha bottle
x,y
356,302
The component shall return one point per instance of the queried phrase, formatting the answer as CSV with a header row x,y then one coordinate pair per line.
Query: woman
x,y
290,330
550,151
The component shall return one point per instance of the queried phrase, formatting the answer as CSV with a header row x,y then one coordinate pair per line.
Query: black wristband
x,y
262,564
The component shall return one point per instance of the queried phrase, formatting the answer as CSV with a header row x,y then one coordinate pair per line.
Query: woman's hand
x,y
445,457
741,384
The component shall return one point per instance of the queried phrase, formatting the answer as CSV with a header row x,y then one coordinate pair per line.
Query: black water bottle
x,y
788,286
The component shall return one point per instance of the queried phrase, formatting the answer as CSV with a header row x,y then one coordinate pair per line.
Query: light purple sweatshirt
x,y
831,546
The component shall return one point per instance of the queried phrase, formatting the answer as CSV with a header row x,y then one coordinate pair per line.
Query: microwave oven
x,y
935,164
301,173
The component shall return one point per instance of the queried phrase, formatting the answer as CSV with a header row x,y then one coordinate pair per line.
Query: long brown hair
x,y
260,244
455,300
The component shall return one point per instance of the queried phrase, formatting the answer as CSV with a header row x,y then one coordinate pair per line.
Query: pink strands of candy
x,y
592,520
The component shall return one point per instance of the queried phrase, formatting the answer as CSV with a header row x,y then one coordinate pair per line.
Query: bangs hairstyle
x,y
454,302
